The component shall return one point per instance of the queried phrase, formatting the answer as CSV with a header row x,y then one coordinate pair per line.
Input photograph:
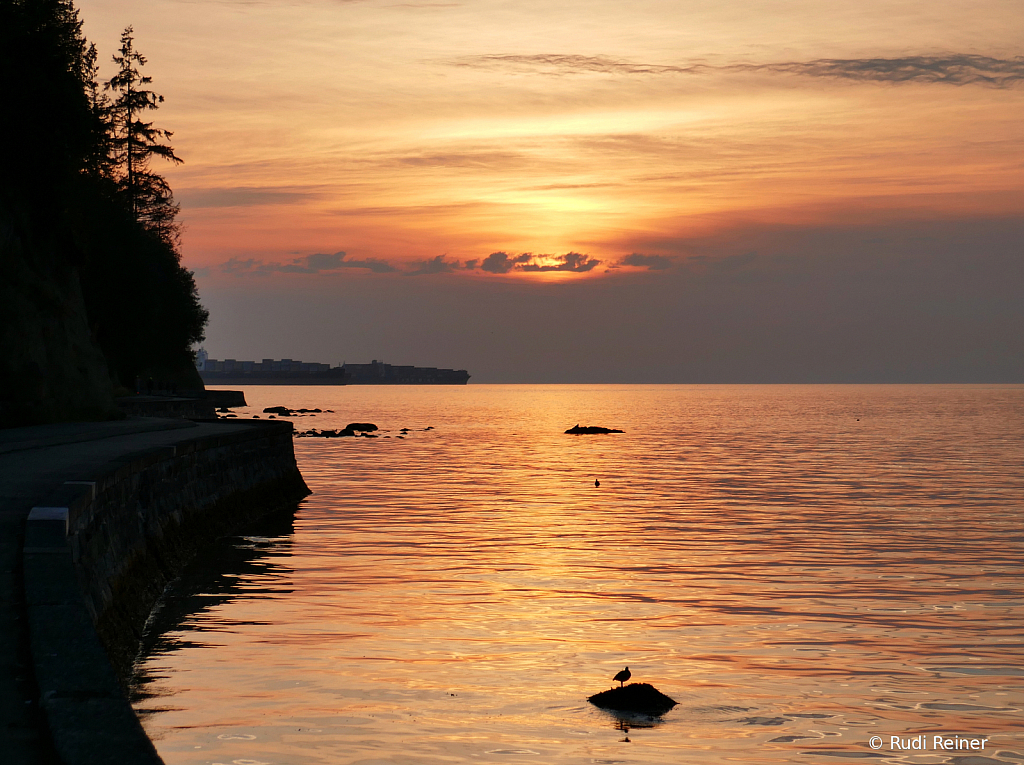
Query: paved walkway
x,y
33,462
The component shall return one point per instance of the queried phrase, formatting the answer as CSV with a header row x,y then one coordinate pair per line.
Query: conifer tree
x,y
44,131
88,240
99,164
133,142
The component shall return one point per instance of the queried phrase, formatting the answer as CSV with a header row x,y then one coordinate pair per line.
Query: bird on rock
x,y
623,676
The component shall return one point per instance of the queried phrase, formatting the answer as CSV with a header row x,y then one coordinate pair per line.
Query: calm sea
x,y
800,567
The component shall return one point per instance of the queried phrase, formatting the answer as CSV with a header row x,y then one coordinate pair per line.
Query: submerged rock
x,y
286,412
281,410
635,697
326,433
588,430
352,429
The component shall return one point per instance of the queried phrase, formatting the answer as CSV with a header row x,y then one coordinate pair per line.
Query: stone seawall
x,y
101,548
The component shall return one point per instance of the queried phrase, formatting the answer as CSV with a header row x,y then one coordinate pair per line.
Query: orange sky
x,y
340,146
406,131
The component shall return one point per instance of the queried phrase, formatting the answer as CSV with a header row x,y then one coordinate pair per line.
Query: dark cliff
x,y
92,296
50,368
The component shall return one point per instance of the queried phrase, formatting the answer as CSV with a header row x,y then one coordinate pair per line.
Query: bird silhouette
x,y
623,676
597,483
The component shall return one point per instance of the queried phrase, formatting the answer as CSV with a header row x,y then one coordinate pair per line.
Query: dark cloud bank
x,y
904,303
949,69
495,263
240,196
318,263
503,263
650,262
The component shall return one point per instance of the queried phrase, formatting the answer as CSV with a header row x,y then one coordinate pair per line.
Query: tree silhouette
x,y
133,142
98,162
44,127
93,293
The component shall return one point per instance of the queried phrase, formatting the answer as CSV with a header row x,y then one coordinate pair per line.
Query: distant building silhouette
x,y
295,372
379,373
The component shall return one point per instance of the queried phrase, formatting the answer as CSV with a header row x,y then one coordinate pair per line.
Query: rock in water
x,y
281,410
635,697
589,430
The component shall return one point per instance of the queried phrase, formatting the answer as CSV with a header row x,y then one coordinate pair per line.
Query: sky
x,y
679,191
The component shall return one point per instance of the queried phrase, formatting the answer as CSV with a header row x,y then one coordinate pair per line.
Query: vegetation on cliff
x,y
94,294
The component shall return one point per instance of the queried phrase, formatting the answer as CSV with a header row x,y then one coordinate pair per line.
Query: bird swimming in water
x,y
623,676
596,482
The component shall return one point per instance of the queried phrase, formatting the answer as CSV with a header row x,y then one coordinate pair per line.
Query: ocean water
x,y
801,568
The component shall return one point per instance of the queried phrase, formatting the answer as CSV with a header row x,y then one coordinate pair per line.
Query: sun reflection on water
x,y
799,567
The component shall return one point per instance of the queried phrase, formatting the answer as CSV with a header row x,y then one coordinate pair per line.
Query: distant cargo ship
x,y
379,373
294,372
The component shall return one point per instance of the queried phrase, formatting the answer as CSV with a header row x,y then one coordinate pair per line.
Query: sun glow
x,y
632,130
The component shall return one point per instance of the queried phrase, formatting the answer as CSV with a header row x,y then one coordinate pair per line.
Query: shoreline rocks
x,y
286,412
589,430
635,697
363,429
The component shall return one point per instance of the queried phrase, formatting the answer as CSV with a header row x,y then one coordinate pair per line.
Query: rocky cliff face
x,y
92,293
50,368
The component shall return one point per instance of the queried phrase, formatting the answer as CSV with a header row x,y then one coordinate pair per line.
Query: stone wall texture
x,y
99,552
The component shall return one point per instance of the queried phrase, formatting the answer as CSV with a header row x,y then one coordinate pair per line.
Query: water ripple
x,y
789,563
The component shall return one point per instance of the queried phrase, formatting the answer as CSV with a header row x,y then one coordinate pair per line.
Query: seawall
x,y
102,544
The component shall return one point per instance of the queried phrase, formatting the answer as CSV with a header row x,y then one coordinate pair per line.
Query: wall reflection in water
x,y
800,567
231,568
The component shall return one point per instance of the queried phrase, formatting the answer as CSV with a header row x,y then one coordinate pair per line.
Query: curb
x,y
90,719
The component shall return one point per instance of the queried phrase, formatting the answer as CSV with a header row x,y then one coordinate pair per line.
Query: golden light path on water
x,y
800,567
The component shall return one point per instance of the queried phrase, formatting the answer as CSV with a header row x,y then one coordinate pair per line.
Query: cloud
x,y
948,69
317,263
502,262
650,262
436,265
557,63
480,159
952,69
313,264
571,261
236,266
495,263
239,196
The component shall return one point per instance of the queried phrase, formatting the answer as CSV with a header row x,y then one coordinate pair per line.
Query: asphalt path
x,y
35,461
